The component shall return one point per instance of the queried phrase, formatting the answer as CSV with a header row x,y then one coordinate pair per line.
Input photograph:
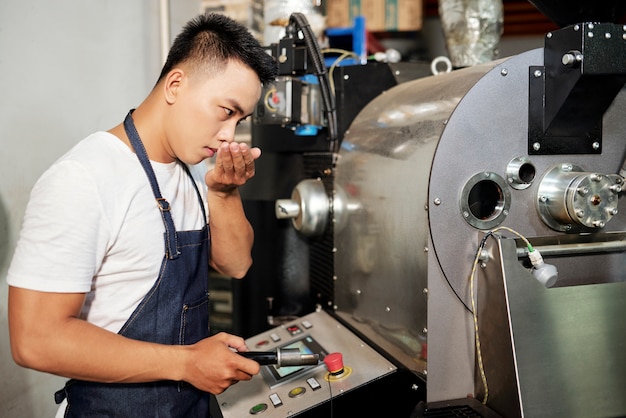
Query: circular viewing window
x,y
485,200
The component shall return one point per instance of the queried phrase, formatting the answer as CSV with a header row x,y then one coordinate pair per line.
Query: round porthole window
x,y
485,200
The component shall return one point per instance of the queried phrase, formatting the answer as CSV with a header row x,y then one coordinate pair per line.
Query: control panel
x,y
346,363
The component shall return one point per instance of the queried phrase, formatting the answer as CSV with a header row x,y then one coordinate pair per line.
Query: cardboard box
x,y
380,15
238,10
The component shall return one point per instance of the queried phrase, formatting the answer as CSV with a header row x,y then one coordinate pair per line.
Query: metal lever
x,y
282,357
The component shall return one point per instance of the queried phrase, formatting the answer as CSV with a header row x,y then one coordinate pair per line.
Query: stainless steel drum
x,y
425,171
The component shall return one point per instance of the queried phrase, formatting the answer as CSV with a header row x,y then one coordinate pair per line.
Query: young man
x,y
108,284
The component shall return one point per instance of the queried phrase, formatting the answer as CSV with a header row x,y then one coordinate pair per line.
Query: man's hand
x,y
231,233
213,366
234,166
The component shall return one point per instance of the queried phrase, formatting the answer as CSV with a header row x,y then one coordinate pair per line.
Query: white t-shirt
x,y
92,226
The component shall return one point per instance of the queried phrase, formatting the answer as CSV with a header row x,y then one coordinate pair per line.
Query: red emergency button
x,y
334,363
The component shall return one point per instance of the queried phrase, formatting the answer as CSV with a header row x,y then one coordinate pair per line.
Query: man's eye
x,y
228,111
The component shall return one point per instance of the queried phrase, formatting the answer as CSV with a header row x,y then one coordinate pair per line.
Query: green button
x,y
257,409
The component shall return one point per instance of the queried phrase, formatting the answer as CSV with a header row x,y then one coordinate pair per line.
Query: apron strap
x,y
171,238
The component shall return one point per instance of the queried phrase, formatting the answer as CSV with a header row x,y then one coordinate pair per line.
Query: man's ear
x,y
171,85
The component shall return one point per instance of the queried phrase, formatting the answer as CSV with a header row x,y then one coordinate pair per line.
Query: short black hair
x,y
210,40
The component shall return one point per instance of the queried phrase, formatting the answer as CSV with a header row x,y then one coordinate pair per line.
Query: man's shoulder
x,y
98,145
100,152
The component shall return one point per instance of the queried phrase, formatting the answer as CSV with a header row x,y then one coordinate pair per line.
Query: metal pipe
x,y
577,248
282,357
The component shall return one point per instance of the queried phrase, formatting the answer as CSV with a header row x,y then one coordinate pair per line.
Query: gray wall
x,y
67,68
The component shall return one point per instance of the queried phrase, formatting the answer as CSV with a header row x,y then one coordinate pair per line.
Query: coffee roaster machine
x,y
464,242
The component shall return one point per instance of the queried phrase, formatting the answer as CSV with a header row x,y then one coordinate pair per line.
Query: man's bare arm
x,y
47,335
231,233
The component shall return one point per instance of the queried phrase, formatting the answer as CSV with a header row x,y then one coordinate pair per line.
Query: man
x,y
108,284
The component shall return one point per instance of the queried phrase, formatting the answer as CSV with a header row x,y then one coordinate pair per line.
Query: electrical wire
x,y
479,356
343,55
330,395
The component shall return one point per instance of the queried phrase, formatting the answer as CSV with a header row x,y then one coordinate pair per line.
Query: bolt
x,y
576,28
616,188
536,146
566,167
537,73
607,35
590,35
583,191
437,201
504,72
614,211
580,213
387,309
543,199
465,214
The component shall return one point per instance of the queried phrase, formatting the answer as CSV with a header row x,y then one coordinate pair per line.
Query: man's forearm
x,y
231,234
74,348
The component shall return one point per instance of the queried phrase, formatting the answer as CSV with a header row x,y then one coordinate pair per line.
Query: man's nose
x,y
227,133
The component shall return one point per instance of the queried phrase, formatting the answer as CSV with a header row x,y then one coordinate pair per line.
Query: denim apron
x,y
175,311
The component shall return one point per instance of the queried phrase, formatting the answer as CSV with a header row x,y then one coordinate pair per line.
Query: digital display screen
x,y
306,345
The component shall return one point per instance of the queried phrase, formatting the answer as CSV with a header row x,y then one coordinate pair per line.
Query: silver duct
x,y
472,29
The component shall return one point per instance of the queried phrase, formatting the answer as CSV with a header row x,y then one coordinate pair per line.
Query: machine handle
x,y
282,357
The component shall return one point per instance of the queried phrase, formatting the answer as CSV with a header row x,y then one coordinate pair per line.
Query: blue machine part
x,y
359,42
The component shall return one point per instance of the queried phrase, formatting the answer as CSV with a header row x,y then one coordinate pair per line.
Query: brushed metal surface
x,y
364,362
567,342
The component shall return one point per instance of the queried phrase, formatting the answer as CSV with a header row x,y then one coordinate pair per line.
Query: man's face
x,y
207,111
